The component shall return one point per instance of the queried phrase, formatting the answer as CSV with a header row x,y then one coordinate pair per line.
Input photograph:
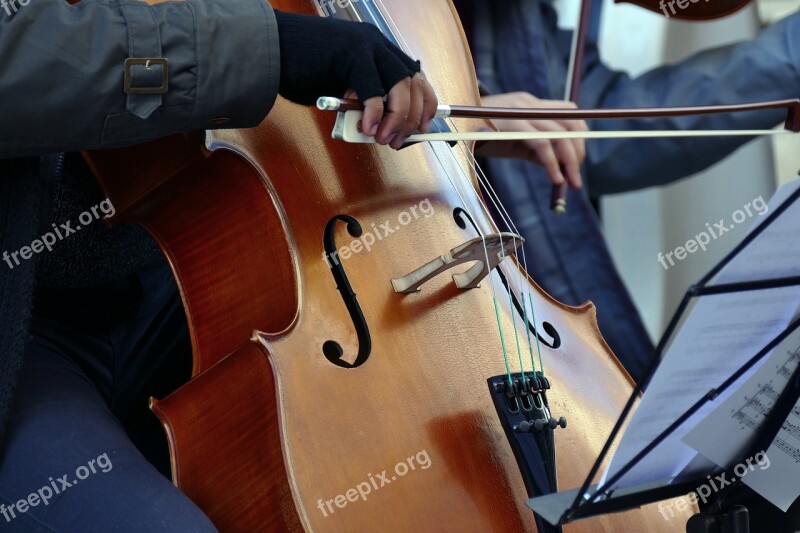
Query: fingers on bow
x,y
561,158
411,103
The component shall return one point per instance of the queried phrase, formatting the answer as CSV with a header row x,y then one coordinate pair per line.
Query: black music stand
x,y
591,500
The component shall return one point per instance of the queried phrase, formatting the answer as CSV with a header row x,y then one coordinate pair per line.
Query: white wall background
x,y
640,225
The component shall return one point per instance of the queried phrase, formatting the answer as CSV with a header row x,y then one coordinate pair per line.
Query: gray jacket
x,y
63,68
63,75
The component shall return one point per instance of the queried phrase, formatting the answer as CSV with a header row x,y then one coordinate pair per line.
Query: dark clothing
x,y
93,253
517,46
61,73
566,255
23,206
96,355
61,82
91,356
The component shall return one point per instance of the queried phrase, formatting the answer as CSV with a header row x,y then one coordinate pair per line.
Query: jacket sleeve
x,y
62,71
766,68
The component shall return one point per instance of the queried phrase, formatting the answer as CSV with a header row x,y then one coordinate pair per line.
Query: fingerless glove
x,y
326,57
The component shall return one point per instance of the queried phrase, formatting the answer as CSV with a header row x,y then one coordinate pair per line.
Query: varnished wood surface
x,y
220,428
243,231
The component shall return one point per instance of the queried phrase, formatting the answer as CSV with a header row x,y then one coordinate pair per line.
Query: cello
x,y
421,403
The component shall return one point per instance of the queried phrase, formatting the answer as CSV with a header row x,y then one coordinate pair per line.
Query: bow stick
x,y
348,125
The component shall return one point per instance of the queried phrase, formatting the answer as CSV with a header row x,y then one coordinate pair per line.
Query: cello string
x,y
474,165
508,221
404,44
398,34
486,256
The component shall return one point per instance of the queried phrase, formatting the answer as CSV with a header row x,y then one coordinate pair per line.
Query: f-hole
x,y
461,217
331,349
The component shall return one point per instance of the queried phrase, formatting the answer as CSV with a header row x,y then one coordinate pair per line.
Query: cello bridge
x,y
492,248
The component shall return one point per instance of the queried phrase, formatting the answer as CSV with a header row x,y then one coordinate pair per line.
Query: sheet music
x,y
753,412
788,439
728,433
720,334
778,483
773,254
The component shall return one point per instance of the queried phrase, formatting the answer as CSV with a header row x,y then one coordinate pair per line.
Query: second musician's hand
x,y
561,158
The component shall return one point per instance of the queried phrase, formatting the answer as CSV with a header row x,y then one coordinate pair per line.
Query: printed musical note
x,y
770,393
758,406
792,429
746,419
792,451
717,336
727,434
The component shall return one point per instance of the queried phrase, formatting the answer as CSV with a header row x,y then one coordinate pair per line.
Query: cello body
x,y
272,434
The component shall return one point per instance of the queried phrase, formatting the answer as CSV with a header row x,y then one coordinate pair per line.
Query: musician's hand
x,y
410,107
328,57
561,158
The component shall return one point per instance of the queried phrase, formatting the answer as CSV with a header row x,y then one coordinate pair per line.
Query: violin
x,y
368,351
696,10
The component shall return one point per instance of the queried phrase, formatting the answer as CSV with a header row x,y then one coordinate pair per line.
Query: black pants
x,y
69,461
